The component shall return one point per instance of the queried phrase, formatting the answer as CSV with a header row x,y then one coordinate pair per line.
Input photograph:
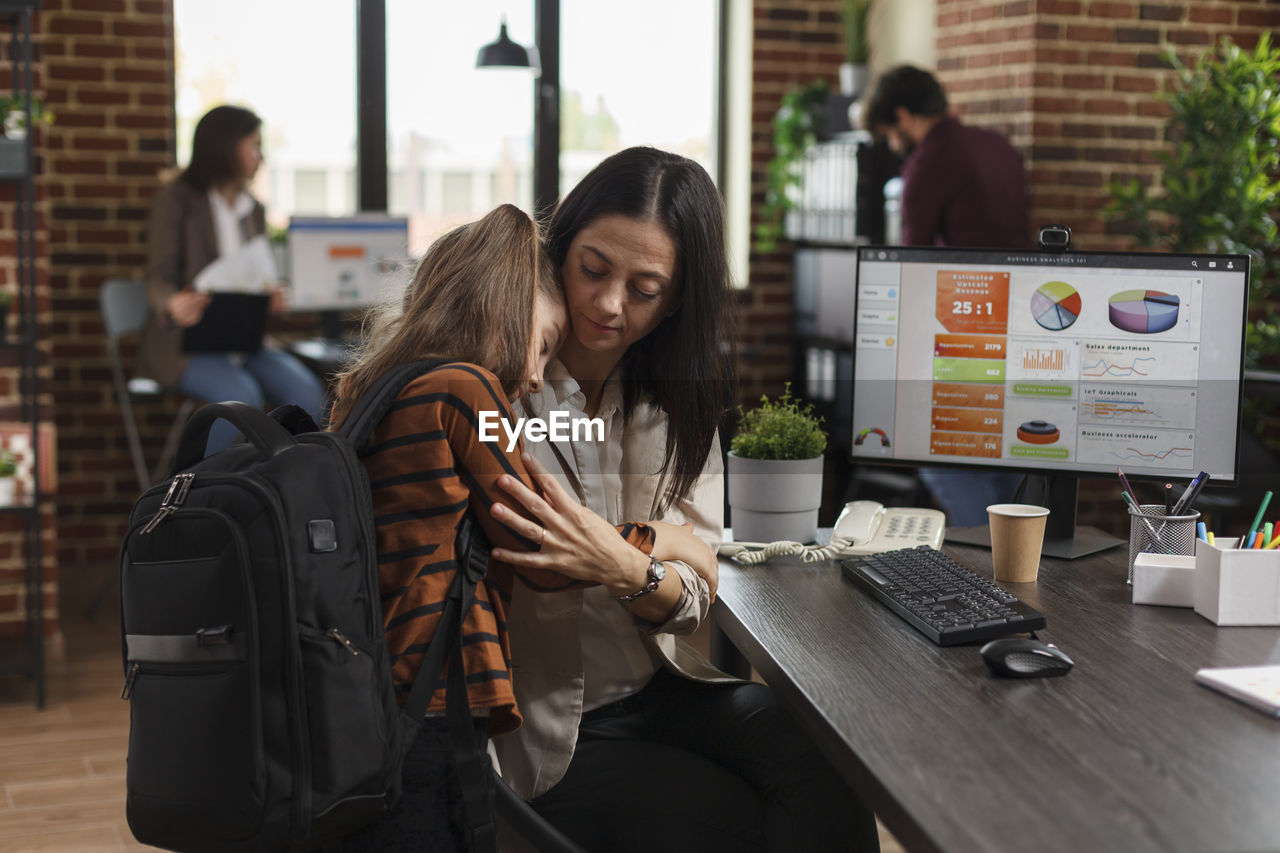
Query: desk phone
x,y
872,528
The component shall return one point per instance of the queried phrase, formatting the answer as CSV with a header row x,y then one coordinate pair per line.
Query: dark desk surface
x,y
1125,753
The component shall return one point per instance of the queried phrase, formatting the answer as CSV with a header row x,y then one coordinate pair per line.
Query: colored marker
x,y
1257,519
1202,532
1124,482
1273,543
1266,533
1257,542
1211,542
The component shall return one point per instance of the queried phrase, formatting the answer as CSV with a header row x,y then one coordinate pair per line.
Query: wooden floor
x,y
62,769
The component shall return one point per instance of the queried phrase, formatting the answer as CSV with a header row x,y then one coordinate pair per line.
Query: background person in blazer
x,y
203,215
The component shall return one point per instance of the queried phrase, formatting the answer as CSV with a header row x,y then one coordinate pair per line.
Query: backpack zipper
x,y
342,638
173,499
131,677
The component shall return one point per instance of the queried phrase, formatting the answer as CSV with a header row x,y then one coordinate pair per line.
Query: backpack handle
x,y
268,436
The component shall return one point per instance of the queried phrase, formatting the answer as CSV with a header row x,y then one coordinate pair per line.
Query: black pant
x,y
685,765
428,817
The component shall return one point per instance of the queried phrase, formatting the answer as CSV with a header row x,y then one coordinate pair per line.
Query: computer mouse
x,y
1024,658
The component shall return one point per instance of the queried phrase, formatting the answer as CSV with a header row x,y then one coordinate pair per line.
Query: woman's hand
x,y
573,539
678,542
186,307
279,299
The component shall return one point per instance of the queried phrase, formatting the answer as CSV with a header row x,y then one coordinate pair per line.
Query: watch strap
x,y
655,578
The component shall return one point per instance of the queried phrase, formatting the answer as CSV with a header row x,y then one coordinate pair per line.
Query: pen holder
x,y
1153,532
1237,586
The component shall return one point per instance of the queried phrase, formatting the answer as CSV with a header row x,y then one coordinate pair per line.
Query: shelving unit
x,y
19,347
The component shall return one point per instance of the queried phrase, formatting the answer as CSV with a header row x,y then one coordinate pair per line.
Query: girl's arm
x,y
568,537
470,401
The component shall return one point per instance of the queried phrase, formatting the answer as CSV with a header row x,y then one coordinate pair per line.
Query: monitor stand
x,y
1062,538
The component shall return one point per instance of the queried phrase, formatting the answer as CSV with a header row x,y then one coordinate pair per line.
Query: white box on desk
x,y
1237,586
1167,579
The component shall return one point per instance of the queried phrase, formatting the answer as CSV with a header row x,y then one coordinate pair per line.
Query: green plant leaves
x,y
795,131
1218,189
781,429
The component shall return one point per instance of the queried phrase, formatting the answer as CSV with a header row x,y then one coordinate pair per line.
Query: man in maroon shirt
x,y
962,186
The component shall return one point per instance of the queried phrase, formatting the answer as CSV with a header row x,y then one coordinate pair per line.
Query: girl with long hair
x,y
484,298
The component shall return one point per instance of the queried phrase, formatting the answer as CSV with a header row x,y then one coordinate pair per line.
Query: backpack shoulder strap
x,y
374,404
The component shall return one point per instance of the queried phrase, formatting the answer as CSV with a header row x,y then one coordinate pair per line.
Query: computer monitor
x,y
1055,365
345,262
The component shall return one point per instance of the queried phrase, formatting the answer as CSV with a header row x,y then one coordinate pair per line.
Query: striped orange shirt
x,y
427,467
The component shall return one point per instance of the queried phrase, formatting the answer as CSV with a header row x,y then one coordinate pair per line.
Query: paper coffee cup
x,y
1017,532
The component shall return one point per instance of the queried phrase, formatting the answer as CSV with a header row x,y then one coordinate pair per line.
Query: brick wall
x,y
109,80
794,43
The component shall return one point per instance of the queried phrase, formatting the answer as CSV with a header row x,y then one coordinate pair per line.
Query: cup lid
x,y
1018,510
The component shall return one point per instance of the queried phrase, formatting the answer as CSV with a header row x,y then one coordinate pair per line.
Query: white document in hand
x,y
250,270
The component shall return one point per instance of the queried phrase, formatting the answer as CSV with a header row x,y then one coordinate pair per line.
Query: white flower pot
x,y
6,491
773,500
853,79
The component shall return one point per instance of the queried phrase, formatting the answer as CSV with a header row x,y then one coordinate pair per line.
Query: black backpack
x,y
263,714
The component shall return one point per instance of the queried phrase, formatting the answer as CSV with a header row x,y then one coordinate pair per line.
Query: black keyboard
x,y
946,601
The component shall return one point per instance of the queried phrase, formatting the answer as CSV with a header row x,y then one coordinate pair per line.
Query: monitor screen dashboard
x,y
347,262
1077,362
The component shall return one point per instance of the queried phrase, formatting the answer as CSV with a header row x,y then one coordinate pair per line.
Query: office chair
x,y
531,826
124,307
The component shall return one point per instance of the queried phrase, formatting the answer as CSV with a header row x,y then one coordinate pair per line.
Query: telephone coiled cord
x,y
753,553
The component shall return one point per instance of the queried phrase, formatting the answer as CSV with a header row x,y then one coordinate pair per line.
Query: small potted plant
x,y
13,132
775,472
797,126
8,467
854,72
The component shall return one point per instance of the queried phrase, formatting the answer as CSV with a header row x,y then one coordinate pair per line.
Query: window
x,y
637,74
231,52
459,138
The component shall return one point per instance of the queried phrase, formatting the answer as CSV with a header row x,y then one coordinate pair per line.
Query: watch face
x,y
657,569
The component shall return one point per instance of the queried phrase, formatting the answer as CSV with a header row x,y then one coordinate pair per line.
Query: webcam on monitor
x,y
1054,238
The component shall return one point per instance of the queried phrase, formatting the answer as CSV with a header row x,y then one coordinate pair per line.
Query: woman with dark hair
x,y
633,741
486,299
205,214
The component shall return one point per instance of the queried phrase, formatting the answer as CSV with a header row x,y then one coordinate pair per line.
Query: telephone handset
x,y
871,528
864,527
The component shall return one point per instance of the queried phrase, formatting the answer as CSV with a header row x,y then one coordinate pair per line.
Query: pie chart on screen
x,y
1055,305
1144,312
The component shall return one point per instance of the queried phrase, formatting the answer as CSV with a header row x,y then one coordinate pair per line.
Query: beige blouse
x,y
555,677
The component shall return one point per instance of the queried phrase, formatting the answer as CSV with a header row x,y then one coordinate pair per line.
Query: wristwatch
x,y
657,572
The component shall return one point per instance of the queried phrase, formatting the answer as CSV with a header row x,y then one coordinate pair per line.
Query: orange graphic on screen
x,y
968,346
964,444
968,420
964,394
973,302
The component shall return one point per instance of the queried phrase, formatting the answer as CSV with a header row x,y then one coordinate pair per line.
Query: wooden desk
x,y
1125,753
